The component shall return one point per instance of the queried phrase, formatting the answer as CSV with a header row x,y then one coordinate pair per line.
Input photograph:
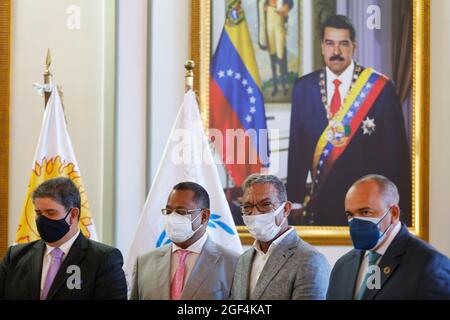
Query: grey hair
x,y
387,188
62,190
267,179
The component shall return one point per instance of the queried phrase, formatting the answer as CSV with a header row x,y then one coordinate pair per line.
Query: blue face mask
x,y
365,233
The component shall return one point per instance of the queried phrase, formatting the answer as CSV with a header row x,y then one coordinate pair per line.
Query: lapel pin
x,y
387,270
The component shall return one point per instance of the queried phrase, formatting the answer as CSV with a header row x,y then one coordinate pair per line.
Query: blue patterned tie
x,y
373,258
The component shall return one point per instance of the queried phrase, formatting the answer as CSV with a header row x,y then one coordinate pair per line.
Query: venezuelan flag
x,y
236,99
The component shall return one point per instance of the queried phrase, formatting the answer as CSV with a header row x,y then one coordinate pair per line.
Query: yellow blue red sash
x,y
344,125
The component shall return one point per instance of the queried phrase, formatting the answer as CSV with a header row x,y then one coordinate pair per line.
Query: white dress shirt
x,y
260,258
191,258
346,81
381,251
65,247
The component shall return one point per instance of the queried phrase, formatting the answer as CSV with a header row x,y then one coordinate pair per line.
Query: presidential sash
x,y
345,123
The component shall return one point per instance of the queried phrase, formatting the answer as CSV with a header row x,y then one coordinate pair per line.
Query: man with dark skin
x,y
279,266
193,266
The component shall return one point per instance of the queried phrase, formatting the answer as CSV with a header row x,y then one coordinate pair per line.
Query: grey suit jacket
x,y
210,278
294,270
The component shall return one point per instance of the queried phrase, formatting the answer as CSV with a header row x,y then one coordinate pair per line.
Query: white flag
x,y
54,157
187,157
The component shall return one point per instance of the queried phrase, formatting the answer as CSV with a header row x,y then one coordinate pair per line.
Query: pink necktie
x,y
57,255
336,100
178,280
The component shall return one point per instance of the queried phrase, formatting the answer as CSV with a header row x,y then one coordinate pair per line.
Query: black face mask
x,y
52,230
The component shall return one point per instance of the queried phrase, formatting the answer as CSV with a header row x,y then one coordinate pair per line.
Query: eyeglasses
x,y
180,211
262,207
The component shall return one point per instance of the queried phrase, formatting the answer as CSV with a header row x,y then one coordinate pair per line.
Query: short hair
x,y
338,22
266,179
387,188
62,190
201,197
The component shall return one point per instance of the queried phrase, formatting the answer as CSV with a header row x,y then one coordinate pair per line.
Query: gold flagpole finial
x,y
48,77
189,75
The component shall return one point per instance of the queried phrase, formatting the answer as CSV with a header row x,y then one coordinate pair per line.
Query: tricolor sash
x,y
345,123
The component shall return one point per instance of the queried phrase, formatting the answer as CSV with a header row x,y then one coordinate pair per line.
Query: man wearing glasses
x,y
279,266
193,266
388,263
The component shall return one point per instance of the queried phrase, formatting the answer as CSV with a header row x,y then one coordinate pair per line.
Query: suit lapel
x,y
76,253
276,261
390,260
243,277
162,273
351,275
203,267
36,269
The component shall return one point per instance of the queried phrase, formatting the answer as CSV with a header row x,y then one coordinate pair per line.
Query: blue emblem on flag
x,y
214,221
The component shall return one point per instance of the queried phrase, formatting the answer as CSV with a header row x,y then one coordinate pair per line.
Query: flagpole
x,y
48,76
189,65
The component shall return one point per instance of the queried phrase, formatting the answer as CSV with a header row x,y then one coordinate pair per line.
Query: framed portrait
x,y
5,34
392,42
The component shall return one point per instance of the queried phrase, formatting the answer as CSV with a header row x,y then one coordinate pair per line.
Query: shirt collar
x,y
345,77
382,249
65,247
274,243
196,247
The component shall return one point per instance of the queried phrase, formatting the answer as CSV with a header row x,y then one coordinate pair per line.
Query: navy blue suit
x,y
385,152
417,271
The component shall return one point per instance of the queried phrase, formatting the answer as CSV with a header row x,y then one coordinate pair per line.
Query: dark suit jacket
x,y
102,276
384,152
417,271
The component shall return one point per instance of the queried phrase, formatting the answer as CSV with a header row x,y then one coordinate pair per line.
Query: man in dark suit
x,y
348,141
64,265
388,262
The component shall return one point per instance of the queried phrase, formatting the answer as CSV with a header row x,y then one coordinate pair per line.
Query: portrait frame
x,y
5,67
200,52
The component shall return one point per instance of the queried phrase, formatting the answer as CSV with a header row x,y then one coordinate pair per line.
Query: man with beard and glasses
x,y
346,122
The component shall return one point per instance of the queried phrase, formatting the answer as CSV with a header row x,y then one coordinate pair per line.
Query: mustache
x,y
337,58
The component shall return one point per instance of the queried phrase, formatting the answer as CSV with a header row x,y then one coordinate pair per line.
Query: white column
x,y
131,118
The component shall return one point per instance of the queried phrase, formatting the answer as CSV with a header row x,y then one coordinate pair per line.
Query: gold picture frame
x,y
5,65
200,52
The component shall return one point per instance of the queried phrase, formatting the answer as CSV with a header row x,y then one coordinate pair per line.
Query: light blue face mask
x,y
365,233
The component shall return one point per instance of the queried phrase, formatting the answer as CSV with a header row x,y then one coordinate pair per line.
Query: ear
x,y
206,213
395,211
287,208
74,213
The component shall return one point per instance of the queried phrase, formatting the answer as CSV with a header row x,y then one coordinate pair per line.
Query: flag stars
x,y
221,74
252,100
230,72
237,76
248,118
249,90
244,82
253,110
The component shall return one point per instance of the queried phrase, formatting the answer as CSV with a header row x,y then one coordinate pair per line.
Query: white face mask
x,y
179,228
263,226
